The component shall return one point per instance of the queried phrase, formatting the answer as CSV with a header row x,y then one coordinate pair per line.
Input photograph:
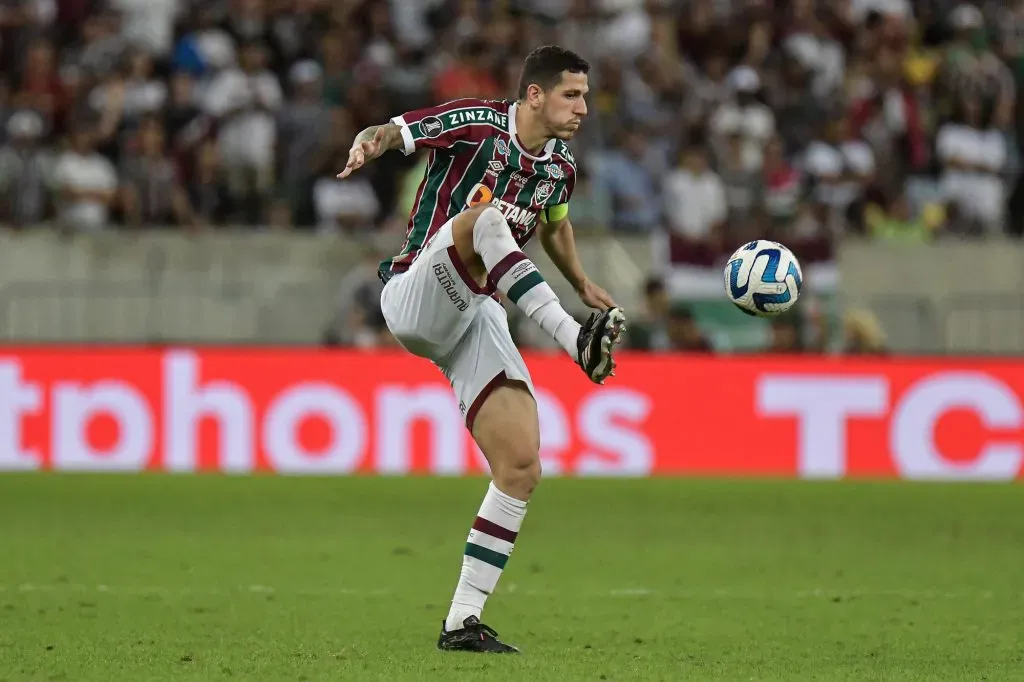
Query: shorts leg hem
x,y
478,401
460,267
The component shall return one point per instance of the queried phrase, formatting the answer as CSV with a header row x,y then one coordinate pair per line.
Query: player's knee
x,y
490,219
520,476
487,222
467,220
516,464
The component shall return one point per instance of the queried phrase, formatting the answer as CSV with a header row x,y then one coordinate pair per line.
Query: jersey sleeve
x,y
443,126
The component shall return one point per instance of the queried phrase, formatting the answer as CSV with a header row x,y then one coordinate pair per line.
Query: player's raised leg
x,y
506,428
490,254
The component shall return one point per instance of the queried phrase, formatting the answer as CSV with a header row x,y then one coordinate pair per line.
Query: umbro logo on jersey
x,y
494,168
431,126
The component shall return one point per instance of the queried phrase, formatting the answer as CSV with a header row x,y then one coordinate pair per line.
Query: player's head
x,y
553,84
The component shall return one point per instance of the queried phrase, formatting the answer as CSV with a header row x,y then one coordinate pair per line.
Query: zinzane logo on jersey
x,y
462,116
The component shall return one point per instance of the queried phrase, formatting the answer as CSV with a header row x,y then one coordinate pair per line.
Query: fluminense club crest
x,y
543,192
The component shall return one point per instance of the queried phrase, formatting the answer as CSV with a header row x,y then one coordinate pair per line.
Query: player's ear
x,y
535,94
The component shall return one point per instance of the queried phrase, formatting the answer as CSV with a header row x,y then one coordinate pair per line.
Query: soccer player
x,y
497,172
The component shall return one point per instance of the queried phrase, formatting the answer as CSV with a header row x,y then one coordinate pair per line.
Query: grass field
x,y
208,578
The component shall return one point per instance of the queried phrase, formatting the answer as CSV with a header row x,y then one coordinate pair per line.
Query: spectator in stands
x,y
467,74
684,334
336,57
782,186
149,24
208,193
358,321
696,209
755,82
650,331
1010,37
591,205
350,204
302,126
842,168
746,113
24,172
39,86
86,184
742,179
152,193
888,116
896,221
785,334
97,48
862,333
184,123
244,100
973,156
812,232
205,48
632,187
140,93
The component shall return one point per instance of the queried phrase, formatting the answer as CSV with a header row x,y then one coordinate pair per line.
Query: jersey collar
x,y
549,148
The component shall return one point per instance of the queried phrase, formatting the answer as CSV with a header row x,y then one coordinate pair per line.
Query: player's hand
x,y
363,152
594,296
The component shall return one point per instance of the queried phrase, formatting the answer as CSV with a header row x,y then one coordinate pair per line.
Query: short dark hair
x,y
654,285
545,64
680,312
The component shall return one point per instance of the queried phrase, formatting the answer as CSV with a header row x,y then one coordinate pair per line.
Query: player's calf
x,y
508,432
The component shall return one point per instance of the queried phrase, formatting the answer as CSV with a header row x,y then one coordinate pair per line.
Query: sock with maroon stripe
x,y
487,550
515,275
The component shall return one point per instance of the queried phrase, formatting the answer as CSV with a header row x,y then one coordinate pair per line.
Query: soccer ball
x,y
763,278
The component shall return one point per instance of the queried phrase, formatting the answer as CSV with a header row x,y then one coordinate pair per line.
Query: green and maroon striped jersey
x,y
476,157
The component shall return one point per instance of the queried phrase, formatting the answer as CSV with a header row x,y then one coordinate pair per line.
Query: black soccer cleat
x,y
473,636
596,341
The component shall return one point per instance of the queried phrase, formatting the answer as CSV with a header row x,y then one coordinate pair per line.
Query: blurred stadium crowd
x,y
712,121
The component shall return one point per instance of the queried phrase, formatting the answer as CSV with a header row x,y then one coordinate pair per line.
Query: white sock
x,y
515,275
487,549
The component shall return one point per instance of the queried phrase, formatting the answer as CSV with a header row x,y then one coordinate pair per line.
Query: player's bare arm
x,y
370,144
559,243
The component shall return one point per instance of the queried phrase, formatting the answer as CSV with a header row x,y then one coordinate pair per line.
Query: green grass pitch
x,y
155,578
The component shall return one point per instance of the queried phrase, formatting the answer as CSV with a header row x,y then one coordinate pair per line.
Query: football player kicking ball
x,y
498,170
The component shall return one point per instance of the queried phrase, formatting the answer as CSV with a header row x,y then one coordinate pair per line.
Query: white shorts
x,y
436,311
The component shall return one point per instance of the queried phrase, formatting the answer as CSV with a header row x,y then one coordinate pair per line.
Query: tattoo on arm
x,y
392,136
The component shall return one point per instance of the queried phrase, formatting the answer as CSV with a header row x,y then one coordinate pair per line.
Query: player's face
x,y
565,106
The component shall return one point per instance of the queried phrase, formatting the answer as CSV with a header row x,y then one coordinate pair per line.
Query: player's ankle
x,y
567,335
458,614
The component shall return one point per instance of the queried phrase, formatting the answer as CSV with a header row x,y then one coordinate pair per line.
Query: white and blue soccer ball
x,y
763,278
